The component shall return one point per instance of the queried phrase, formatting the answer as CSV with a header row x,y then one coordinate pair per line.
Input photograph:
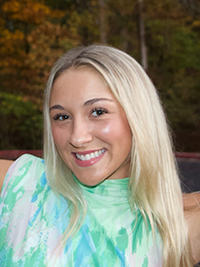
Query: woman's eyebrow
x,y
56,107
94,100
88,102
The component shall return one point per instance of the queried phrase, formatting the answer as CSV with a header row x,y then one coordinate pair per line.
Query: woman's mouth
x,y
85,159
89,156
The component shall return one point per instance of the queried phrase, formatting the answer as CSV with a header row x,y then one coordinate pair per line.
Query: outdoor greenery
x,y
34,33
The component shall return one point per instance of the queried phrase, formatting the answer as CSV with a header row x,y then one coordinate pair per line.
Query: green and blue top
x,y
33,219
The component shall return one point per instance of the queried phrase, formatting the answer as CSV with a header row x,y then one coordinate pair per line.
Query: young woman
x,y
107,192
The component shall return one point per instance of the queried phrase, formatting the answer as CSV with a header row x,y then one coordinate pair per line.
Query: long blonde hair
x,y
154,184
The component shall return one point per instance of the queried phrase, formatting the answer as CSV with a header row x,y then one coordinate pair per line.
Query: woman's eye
x,y
61,117
98,112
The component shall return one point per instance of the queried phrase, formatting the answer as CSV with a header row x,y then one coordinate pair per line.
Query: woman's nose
x,y
80,134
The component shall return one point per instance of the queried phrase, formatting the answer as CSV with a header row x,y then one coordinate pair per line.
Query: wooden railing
x,y
13,154
187,155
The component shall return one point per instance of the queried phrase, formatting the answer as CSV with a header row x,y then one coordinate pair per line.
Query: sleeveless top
x,y
33,219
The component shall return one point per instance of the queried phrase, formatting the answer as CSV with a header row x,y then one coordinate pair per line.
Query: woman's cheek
x,y
106,129
57,135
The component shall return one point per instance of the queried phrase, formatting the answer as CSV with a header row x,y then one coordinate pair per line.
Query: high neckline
x,y
107,187
114,192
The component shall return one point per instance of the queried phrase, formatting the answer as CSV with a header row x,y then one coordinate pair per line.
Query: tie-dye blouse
x,y
33,219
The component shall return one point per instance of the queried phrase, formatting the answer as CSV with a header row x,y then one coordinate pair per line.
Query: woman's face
x,y
89,127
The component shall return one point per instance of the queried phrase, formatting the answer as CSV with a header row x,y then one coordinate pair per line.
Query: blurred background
x,y
163,35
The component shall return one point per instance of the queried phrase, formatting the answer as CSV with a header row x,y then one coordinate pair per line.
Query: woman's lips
x,y
88,158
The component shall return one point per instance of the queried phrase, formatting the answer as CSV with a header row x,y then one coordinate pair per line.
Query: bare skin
x,y
191,203
4,166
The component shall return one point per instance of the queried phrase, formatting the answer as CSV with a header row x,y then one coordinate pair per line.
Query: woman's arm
x,y
4,166
191,204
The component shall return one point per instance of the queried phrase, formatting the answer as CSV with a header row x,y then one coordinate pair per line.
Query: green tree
x,y
173,52
33,34
30,42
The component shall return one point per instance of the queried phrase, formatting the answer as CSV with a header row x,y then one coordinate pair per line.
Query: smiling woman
x,y
90,129
107,192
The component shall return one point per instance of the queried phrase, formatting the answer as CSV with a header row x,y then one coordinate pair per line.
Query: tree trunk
x,y
102,22
124,38
26,44
143,50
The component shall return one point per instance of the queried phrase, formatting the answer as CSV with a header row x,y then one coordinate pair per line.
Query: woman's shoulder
x,y
25,182
26,165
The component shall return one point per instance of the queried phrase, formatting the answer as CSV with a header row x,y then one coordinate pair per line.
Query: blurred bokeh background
x,y
163,35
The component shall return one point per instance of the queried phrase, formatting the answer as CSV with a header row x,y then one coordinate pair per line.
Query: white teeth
x,y
91,155
96,153
82,157
87,157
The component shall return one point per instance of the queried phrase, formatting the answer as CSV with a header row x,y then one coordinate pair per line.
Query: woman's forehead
x,y
80,83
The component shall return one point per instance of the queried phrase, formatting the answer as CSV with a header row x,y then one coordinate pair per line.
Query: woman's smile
x,y
90,128
88,158
87,155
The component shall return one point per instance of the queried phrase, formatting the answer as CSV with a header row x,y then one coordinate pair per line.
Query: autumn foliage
x,y
34,33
